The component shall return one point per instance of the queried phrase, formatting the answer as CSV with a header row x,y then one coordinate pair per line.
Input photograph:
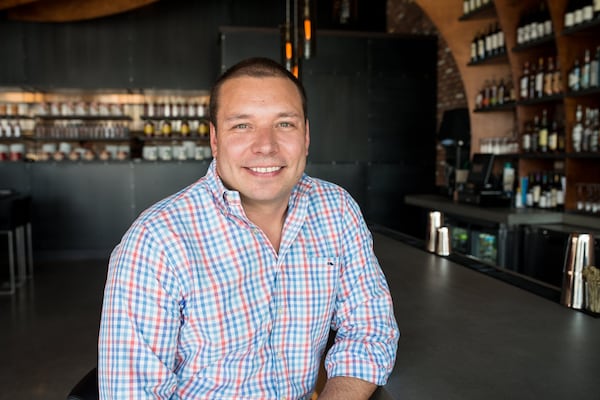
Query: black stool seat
x,y
15,223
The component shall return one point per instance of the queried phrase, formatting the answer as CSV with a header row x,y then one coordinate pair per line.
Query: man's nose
x,y
265,141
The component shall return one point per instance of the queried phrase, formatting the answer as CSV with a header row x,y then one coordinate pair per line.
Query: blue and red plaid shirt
x,y
199,305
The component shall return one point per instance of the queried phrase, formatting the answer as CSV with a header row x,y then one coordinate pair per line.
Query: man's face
x,y
262,139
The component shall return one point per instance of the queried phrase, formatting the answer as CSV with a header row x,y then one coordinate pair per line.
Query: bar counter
x,y
502,215
466,335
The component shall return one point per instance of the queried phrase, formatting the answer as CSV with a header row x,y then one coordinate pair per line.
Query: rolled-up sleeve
x,y
367,334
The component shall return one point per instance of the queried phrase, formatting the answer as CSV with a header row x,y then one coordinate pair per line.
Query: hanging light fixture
x,y
308,38
290,35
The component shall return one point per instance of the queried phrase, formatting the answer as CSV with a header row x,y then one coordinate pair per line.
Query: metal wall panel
x,y
351,177
80,207
153,181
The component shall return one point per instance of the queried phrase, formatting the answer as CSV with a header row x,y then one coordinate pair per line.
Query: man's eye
x,y
285,125
241,126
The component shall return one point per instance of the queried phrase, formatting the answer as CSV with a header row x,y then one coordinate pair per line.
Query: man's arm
x,y
347,388
367,334
139,324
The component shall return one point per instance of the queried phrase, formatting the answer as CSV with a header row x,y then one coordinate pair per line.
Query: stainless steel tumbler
x,y
580,253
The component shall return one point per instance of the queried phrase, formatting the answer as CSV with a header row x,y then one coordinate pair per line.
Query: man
x,y
229,288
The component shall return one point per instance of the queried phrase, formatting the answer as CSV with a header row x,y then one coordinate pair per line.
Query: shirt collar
x,y
227,199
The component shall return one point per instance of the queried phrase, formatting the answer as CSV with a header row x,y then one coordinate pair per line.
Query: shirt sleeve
x,y
140,322
367,334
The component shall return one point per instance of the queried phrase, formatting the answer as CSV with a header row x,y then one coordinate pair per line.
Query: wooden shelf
x,y
181,117
486,11
85,117
587,27
510,106
77,139
541,100
493,59
582,93
547,41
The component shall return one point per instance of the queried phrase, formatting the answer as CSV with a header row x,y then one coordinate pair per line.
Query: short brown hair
x,y
257,67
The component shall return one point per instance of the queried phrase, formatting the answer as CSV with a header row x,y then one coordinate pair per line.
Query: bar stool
x,y
15,223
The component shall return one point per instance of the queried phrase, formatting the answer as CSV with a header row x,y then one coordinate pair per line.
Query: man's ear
x,y
213,139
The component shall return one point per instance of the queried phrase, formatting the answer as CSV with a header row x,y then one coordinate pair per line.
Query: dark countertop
x,y
466,335
501,215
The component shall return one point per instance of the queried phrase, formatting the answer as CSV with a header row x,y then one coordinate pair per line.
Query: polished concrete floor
x,y
49,330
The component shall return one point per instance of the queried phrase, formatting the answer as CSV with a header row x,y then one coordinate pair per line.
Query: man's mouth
x,y
264,170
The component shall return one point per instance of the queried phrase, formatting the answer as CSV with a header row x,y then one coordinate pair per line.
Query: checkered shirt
x,y
199,305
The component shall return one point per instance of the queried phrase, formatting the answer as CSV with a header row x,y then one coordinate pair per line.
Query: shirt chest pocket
x,y
310,290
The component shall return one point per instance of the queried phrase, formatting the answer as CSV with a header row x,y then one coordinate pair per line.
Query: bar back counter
x,y
466,335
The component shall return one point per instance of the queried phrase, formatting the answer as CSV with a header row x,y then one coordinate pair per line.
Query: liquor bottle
x,y
557,87
578,14
501,41
570,14
539,79
587,130
543,133
474,53
532,81
185,128
553,137
495,34
481,47
524,81
596,9
584,81
577,133
486,94
588,11
535,134
548,75
560,192
529,196
546,19
594,140
537,190
526,139
595,69
466,8
501,94
493,93
562,140
488,42
575,76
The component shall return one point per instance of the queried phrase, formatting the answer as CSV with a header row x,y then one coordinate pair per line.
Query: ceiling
x,y
66,10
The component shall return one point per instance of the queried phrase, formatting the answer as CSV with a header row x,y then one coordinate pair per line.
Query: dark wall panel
x,y
155,181
79,207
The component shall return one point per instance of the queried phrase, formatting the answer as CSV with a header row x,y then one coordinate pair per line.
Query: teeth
x,y
265,170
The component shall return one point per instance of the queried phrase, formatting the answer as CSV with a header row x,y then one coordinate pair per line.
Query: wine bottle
x,y
543,133
524,87
548,76
575,76
553,138
577,132
585,71
539,79
526,139
595,69
535,134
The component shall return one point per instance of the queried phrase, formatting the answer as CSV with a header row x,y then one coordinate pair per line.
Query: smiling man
x,y
229,288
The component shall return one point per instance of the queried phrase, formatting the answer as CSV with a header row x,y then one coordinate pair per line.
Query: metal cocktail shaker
x,y
435,220
580,253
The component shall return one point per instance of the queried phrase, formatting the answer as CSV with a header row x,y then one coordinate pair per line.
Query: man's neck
x,y
269,219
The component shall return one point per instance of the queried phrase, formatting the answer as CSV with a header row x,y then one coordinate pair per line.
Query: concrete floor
x,y
49,330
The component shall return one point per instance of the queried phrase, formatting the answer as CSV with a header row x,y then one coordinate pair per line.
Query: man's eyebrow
x,y
235,117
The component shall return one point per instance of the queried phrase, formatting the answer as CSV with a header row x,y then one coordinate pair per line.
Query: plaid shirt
x,y
199,305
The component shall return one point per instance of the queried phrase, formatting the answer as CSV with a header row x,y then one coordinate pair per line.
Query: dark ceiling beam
x,y
69,10
6,4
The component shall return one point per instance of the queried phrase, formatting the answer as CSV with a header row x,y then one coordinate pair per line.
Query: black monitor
x,y
481,170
